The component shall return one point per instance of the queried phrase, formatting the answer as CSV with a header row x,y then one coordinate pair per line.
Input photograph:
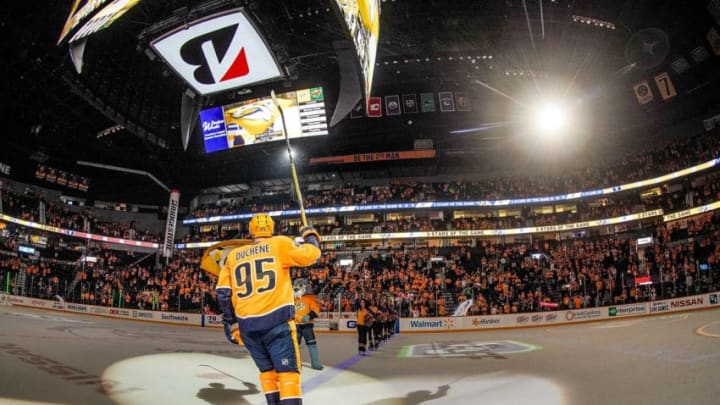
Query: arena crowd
x,y
495,277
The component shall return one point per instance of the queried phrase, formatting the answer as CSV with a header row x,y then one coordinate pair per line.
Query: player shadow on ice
x,y
414,398
217,394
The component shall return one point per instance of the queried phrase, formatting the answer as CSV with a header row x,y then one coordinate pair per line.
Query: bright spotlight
x,y
550,118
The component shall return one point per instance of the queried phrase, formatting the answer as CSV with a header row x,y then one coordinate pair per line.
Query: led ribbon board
x,y
469,232
469,204
76,234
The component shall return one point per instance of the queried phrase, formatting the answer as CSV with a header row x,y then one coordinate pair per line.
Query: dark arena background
x,y
526,192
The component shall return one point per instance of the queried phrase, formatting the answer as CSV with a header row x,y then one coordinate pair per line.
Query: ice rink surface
x,y
61,358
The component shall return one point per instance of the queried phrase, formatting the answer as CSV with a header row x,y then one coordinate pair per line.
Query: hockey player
x,y
255,293
306,310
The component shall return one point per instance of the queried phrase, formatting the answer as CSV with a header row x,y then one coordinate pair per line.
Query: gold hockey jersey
x,y
259,277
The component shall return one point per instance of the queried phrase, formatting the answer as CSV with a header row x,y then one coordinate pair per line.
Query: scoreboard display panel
x,y
258,120
362,18
90,16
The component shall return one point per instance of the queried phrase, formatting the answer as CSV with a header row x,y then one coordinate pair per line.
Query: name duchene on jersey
x,y
253,250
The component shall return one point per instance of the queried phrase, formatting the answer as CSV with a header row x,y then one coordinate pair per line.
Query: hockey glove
x,y
232,332
310,235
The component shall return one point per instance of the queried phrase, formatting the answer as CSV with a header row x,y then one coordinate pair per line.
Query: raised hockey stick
x,y
296,183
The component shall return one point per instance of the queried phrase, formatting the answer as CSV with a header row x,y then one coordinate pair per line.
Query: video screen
x,y
104,18
362,18
258,120
85,13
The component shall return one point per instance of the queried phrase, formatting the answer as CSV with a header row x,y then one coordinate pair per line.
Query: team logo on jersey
x,y
218,53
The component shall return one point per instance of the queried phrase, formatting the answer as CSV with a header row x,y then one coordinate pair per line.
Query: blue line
x,y
322,378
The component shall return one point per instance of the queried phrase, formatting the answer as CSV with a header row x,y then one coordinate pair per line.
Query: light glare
x,y
550,118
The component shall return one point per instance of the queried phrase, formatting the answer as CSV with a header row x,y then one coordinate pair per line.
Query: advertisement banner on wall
x,y
345,325
687,303
660,306
627,310
171,224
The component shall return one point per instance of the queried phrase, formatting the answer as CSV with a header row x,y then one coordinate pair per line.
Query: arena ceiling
x,y
503,53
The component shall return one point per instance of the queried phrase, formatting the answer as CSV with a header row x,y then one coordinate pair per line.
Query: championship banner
x,y
665,86
170,225
642,92
373,157
447,103
392,105
463,101
427,101
374,109
410,103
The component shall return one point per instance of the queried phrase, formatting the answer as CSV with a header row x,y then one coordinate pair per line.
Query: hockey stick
x,y
296,183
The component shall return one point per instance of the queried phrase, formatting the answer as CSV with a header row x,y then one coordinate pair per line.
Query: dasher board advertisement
x,y
258,120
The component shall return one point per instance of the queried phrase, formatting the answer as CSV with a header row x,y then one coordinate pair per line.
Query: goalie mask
x,y
261,226
300,287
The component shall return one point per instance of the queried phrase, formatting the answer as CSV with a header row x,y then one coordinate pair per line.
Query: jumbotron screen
x,y
94,15
258,120
362,18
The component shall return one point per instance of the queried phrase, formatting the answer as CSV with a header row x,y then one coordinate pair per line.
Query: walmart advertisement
x,y
258,120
